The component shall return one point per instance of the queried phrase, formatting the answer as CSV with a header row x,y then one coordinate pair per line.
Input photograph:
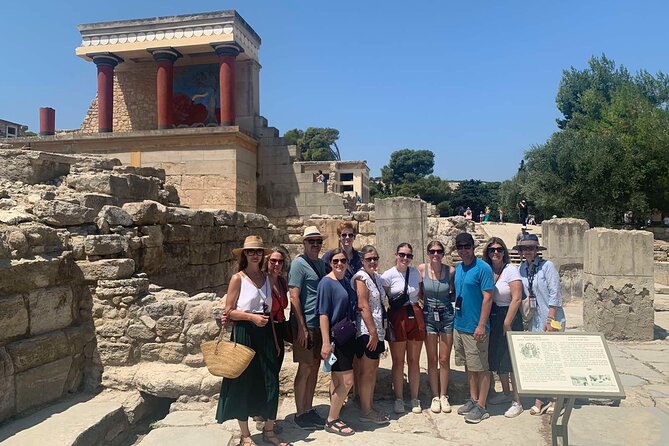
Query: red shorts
x,y
404,328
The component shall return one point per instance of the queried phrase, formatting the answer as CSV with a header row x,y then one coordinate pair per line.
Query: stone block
x,y
227,218
115,216
103,245
172,352
176,233
63,213
112,329
151,260
27,274
151,351
38,350
183,216
399,220
564,240
146,212
152,236
205,254
141,171
42,384
140,332
114,353
169,326
13,317
367,227
96,201
7,386
621,307
611,252
662,273
107,269
50,309
252,220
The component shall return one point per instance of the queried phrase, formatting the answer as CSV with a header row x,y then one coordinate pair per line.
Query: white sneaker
x,y
436,405
499,398
445,405
399,406
513,411
415,406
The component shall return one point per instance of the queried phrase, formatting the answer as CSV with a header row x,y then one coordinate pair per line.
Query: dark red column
x,y
165,58
106,64
47,121
227,54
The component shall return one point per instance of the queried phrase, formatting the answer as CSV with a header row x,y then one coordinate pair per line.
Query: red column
x,y
164,83
47,121
106,64
227,53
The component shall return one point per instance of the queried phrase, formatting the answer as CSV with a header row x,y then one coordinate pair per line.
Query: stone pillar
x,y
618,284
227,53
106,64
47,121
563,238
399,220
165,58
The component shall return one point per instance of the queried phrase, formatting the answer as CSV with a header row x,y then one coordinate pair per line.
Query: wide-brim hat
x,y
312,232
252,242
530,240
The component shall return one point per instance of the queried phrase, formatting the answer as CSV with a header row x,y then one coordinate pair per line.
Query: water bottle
x,y
330,360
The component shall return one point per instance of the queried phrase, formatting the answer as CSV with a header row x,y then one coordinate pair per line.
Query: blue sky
x,y
475,82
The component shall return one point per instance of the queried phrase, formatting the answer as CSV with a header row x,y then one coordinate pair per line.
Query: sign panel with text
x,y
563,364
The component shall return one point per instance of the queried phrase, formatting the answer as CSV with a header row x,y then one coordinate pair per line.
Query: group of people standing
x,y
343,310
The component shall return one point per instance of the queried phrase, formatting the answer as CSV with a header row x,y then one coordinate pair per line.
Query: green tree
x,y
315,143
406,166
476,195
612,152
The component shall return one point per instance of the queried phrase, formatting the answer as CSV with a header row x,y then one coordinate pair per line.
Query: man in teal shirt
x,y
305,273
474,287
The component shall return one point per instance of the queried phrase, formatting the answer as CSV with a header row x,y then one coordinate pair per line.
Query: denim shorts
x,y
445,322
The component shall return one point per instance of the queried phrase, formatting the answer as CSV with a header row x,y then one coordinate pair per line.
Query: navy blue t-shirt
x,y
335,299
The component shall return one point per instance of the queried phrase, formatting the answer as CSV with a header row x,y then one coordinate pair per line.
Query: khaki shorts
x,y
469,352
308,355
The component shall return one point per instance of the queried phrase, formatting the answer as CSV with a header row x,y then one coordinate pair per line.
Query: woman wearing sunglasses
x,y
407,326
541,284
504,317
337,303
255,393
438,312
371,327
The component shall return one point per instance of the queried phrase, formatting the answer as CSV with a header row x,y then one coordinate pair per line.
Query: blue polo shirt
x,y
470,282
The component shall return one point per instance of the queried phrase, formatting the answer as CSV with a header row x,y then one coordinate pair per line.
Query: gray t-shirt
x,y
302,276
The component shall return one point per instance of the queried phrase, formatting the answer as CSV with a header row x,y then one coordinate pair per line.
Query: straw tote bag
x,y
226,359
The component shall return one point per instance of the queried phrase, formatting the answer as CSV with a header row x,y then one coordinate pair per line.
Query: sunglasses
x,y
348,235
276,261
254,252
463,246
372,259
336,261
403,255
493,250
435,251
314,241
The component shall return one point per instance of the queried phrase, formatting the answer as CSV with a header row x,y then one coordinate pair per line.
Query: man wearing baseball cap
x,y
305,273
474,286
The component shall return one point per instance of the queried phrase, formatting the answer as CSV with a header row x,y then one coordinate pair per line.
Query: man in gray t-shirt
x,y
305,273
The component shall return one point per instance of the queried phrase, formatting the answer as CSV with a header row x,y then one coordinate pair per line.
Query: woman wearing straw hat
x,y
249,304
541,284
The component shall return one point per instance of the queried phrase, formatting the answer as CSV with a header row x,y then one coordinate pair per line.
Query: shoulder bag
x,y
344,331
398,301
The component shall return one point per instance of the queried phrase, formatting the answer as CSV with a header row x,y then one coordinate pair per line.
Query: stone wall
x,y
564,240
618,284
400,220
86,259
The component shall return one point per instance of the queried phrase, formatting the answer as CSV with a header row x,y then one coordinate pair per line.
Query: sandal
x,y
260,425
534,410
374,416
338,427
550,408
271,438
247,441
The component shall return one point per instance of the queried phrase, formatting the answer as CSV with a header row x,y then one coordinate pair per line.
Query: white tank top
x,y
252,299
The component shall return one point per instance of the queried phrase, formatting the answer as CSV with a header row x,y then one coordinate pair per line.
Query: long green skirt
x,y
256,391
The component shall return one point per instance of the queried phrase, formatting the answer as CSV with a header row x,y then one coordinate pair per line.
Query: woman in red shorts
x,y
407,326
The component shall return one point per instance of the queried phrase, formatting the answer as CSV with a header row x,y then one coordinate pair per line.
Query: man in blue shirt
x,y
474,287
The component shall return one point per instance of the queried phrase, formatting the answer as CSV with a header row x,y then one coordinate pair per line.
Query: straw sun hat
x,y
312,232
530,240
252,242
